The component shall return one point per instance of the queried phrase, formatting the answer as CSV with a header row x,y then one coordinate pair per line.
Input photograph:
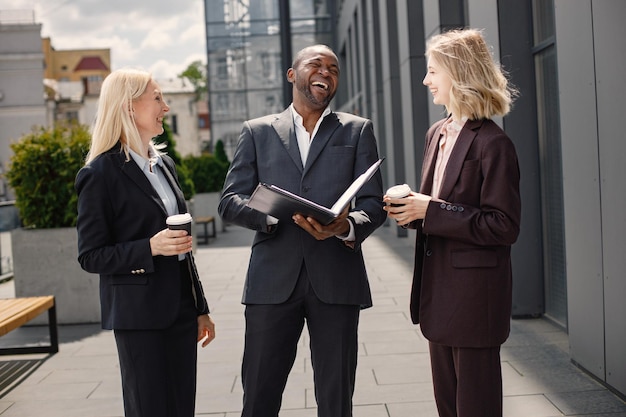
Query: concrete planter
x,y
205,204
45,263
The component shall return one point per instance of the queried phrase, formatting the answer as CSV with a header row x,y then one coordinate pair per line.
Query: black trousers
x,y
159,366
467,381
272,334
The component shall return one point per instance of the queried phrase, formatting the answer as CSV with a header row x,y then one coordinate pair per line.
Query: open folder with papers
x,y
282,204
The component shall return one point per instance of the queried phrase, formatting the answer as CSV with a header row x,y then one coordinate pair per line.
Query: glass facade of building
x,y
245,72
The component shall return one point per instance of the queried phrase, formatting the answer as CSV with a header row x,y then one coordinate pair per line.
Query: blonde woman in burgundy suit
x,y
467,216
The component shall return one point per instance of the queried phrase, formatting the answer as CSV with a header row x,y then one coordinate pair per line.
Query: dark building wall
x,y
568,262
566,124
591,57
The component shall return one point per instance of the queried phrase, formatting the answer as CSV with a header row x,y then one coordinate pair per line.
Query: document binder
x,y
282,204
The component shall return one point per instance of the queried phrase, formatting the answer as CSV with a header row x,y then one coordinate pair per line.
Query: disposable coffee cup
x,y
179,222
398,191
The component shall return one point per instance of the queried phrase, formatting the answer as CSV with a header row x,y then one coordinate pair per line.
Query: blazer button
x,y
429,252
454,208
461,209
142,271
442,205
448,207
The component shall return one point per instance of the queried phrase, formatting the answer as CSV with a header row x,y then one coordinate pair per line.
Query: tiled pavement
x,y
393,378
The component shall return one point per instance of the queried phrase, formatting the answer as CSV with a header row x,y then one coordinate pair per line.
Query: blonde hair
x,y
480,89
114,121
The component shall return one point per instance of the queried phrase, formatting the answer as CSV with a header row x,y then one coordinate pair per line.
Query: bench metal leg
x,y
54,331
53,347
206,235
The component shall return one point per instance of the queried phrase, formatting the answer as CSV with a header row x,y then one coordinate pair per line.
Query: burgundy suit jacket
x,y
461,293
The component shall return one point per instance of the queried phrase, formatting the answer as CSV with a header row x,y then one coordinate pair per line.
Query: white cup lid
x,y
178,219
399,191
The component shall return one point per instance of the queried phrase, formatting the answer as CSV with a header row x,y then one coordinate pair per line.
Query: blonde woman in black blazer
x,y
467,216
150,293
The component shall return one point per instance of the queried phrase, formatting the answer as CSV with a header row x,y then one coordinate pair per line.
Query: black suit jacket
x,y
343,148
118,212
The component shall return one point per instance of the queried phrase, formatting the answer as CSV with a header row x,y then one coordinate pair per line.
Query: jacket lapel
x,y
457,157
430,157
283,125
325,131
169,170
132,170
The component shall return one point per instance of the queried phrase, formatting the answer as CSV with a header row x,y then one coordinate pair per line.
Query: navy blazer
x,y
462,284
118,212
343,148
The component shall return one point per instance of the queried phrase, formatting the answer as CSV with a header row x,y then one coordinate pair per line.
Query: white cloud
x,y
163,36
194,33
163,69
194,57
157,40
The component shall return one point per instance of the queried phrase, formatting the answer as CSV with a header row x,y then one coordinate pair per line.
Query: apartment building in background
x,y
73,79
22,103
41,85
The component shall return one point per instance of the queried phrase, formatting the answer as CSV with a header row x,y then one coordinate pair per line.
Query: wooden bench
x,y
14,312
205,221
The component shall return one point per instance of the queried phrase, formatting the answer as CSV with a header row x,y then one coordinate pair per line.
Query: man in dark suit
x,y
300,270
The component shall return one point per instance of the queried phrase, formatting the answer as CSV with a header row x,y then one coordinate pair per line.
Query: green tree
x,y
196,75
208,172
220,152
42,173
184,176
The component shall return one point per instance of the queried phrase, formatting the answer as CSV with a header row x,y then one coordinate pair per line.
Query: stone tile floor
x,y
393,377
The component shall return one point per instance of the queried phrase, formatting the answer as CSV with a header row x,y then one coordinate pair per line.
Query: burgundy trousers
x,y
467,381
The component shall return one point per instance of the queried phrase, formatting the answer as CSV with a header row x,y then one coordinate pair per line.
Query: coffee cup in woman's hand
x,y
179,222
398,191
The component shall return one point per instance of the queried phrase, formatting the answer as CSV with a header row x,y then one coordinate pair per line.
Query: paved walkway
x,y
393,378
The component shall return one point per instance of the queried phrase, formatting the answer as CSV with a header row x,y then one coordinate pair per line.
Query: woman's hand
x,y
408,209
170,242
206,329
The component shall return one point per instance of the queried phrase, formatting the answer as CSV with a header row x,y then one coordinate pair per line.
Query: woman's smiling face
x,y
438,82
148,112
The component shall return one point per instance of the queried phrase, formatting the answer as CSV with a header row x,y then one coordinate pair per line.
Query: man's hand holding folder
x,y
282,204
338,227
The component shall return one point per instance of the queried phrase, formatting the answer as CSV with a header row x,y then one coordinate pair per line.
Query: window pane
x,y
245,69
543,17
551,179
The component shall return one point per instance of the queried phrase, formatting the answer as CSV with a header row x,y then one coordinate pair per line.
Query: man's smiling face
x,y
315,77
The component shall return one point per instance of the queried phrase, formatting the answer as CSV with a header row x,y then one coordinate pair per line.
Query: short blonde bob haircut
x,y
480,89
114,121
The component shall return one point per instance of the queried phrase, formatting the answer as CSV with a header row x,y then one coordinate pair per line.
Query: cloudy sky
x,y
161,36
